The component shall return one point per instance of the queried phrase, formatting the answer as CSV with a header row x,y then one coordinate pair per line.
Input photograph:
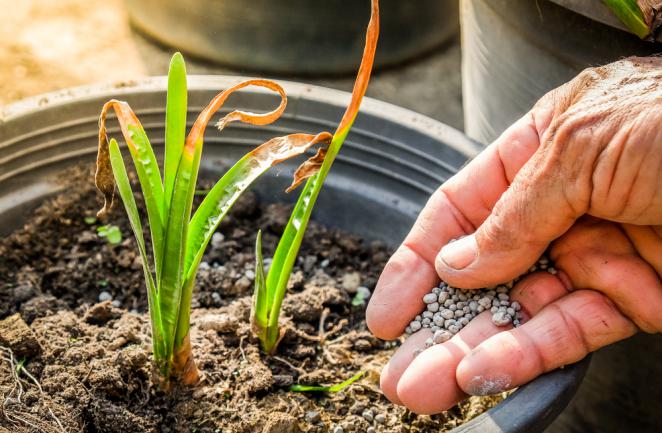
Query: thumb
x,y
544,199
530,214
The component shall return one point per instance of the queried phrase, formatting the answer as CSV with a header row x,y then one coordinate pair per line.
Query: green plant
x,y
178,240
331,388
270,291
630,14
111,232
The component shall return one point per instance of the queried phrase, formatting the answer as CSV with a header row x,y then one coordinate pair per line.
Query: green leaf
x,y
630,14
19,365
171,285
362,295
90,220
175,133
333,388
145,164
126,193
290,242
111,232
259,297
232,185
225,193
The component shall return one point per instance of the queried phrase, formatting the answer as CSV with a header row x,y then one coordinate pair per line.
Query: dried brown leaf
x,y
308,169
103,178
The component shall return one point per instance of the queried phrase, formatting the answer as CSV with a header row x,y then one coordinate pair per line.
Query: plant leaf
x,y
111,232
308,169
144,162
126,193
175,133
234,182
259,297
630,14
228,189
334,388
290,242
174,248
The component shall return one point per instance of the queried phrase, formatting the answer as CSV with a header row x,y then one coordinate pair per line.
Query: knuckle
x,y
565,342
598,319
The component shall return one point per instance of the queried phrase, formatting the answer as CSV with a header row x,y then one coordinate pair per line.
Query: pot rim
x,y
537,400
294,90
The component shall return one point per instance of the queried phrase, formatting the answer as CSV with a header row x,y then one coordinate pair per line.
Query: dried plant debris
x,y
449,309
25,407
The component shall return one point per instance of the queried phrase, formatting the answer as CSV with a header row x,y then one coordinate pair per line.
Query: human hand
x,y
580,174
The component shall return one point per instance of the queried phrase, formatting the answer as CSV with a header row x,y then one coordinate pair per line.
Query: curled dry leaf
x,y
652,11
103,178
308,169
280,149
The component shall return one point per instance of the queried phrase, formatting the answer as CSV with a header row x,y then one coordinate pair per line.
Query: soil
x,y
89,361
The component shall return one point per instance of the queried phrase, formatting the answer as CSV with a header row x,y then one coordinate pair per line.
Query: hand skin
x,y
580,174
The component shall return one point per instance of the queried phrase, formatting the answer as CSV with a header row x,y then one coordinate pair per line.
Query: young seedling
x,y
332,388
178,240
270,291
111,232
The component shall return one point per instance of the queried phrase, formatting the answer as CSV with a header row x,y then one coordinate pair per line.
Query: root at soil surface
x,y
15,391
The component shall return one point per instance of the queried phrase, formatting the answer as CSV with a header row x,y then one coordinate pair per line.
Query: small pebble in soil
x,y
105,296
368,415
217,239
338,429
370,429
312,417
23,292
363,292
449,309
380,418
116,303
351,282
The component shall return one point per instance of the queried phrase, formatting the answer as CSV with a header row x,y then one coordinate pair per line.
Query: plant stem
x,y
184,369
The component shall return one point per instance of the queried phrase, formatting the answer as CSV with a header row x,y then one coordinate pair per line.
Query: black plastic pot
x,y
515,51
392,161
295,36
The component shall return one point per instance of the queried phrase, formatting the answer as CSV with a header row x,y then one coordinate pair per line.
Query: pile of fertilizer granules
x,y
449,309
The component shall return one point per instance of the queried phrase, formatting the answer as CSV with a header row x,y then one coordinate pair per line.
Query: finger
x,y
647,240
543,200
398,363
455,209
426,383
600,256
564,332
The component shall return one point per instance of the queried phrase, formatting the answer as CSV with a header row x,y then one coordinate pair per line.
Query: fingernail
x,y
459,254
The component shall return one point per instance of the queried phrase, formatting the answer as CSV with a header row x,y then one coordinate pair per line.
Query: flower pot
x,y
392,161
294,36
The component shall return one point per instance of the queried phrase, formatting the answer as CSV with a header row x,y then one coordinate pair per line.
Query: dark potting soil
x,y
89,361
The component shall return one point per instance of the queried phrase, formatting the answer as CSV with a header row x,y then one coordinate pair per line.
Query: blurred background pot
x,y
391,162
300,37
515,51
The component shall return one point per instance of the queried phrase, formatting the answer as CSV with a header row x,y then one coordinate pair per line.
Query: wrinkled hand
x,y
581,173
